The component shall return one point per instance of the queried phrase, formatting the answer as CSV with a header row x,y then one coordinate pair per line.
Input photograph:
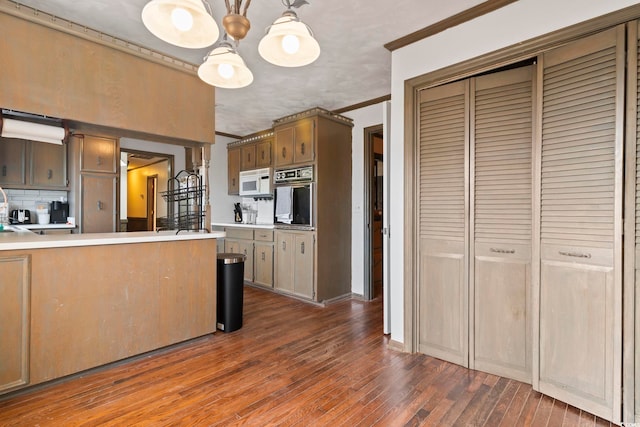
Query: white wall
x,y
221,202
362,118
517,22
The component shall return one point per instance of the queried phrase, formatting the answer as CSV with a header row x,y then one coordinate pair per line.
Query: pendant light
x,y
184,23
288,41
223,67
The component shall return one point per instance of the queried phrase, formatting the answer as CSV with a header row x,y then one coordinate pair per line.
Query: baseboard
x,y
396,345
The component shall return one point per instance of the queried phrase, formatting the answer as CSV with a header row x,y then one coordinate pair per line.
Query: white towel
x,y
283,204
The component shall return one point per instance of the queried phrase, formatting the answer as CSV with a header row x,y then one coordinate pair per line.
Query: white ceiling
x,y
353,66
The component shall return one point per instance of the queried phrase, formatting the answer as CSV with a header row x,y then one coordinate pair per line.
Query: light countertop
x,y
241,225
21,238
47,226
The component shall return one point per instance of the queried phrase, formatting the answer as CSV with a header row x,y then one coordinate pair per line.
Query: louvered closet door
x,y
443,194
580,224
632,374
501,141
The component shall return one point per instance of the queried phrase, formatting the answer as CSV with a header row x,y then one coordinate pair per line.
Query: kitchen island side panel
x,y
98,304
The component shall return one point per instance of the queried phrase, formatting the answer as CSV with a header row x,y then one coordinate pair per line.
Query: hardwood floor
x,y
290,364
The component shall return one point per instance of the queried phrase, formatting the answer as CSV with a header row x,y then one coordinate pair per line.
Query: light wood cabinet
x,y
32,164
263,264
98,154
14,321
48,167
248,161
295,255
94,195
244,247
233,170
12,162
263,154
295,142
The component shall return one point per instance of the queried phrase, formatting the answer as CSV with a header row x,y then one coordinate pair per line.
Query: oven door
x,y
299,202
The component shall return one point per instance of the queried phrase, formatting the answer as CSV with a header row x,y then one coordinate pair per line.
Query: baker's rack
x,y
185,202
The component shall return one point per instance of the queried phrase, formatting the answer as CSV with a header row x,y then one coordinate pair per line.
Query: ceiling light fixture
x,y
184,23
187,23
289,42
224,68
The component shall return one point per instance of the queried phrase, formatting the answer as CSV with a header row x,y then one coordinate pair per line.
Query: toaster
x,y
20,216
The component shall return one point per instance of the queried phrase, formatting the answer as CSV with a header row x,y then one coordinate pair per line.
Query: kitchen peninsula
x,y
77,301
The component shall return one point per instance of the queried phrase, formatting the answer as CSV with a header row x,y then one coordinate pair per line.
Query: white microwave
x,y
256,182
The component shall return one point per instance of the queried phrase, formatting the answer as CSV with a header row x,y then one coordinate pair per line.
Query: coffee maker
x,y
59,212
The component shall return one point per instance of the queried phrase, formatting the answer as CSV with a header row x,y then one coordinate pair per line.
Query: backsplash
x,y
27,199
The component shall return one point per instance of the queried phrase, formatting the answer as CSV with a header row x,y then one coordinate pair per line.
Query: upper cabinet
x,y
251,152
99,154
295,142
32,165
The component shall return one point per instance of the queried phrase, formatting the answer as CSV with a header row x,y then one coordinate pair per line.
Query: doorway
x,y
373,212
143,179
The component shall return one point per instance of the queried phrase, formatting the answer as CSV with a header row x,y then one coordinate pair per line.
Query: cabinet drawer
x,y
239,233
264,235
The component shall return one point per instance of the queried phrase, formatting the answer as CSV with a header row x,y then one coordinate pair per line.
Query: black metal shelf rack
x,y
185,202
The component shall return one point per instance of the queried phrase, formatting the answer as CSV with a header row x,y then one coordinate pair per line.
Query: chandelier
x,y
288,42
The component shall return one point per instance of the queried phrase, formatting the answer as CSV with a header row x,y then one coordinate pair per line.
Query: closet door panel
x,y
501,141
580,223
443,207
632,373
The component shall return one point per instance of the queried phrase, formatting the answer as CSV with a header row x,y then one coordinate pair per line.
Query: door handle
x,y
49,174
4,170
302,148
302,248
284,246
99,205
284,152
99,161
262,153
249,157
263,257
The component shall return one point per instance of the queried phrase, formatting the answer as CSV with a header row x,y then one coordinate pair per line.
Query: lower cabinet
x,y
242,247
14,321
294,272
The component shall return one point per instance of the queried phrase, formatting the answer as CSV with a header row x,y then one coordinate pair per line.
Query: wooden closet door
x,y
443,230
501,144
580,291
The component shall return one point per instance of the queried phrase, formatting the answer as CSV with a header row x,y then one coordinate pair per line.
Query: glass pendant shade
x,y
289,42
184,23
224,68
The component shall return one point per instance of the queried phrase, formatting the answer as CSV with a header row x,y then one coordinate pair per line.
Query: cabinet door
x,y
284,261
233,170
263,154
264,264
98,154
304,141
48,165
98,203
303,263
284,146
14,321
12,161
248,161
246,248
580,294
231,246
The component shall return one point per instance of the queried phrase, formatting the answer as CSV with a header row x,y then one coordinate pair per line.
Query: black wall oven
x,y
293,197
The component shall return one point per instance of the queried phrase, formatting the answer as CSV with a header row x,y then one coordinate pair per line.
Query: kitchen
x,y
400,293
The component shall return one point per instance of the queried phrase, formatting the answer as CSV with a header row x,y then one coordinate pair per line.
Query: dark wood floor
x,y
290,364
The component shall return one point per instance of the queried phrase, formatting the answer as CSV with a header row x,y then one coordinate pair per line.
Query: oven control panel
x,y
301,174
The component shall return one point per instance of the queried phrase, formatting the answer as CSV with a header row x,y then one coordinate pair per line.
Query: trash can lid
x,y
231,258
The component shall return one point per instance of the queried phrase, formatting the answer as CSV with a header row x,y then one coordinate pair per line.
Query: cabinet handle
x,y
245,252
233,182
302,248
99,205
302,148
575,254
262,153
263,256
99,161
284,246
249,157
284,152
4,170
49,174
503,251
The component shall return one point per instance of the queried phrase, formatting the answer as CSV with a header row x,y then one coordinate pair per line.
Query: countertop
x,y
241,225
22,238
47,226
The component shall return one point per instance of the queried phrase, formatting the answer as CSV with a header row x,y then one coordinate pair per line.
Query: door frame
x,y
152,200
369,132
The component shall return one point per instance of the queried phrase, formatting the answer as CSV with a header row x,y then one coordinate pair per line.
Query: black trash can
x,y
230,291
